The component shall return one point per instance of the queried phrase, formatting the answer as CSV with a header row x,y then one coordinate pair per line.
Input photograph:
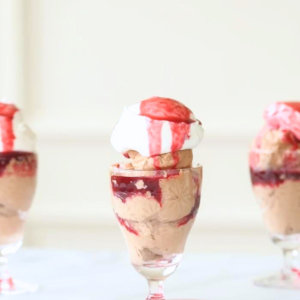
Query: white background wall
x,y
77,63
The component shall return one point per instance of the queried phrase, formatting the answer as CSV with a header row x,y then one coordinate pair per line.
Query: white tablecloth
x,y
71,275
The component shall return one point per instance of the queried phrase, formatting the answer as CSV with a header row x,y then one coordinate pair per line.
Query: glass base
x,y
16,287
279,281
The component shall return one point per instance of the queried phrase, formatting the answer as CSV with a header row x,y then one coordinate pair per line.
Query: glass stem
x,y
156,288
291,263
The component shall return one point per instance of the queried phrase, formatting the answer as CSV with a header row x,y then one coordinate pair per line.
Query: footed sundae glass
x,y
275,178
18,168
156,210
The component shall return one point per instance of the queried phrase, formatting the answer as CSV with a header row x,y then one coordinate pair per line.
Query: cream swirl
x,y
284,116
156,126
15,135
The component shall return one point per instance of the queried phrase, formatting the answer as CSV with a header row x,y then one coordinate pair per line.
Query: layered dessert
x,y
156,192
18,165
275,168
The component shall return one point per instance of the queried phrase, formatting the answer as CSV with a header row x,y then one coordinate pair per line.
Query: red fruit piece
x,y
167,109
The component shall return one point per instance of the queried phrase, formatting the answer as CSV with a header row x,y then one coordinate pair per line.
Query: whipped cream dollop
x,y
15,135
156,126
284,116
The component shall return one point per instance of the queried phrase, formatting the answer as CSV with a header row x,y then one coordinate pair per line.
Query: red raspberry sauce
x,y
159,109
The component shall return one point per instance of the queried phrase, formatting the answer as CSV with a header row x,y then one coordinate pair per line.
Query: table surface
x,y
71,275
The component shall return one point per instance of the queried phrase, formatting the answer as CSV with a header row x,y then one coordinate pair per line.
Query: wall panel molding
x,y
11,51
87,138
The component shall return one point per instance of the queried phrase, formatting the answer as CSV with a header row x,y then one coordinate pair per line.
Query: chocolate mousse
x,y
179,160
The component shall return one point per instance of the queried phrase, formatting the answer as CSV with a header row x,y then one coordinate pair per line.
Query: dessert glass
x,y
17,186
276,185
155,211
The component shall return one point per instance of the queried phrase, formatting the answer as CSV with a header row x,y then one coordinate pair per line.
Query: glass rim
x,y
117,170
